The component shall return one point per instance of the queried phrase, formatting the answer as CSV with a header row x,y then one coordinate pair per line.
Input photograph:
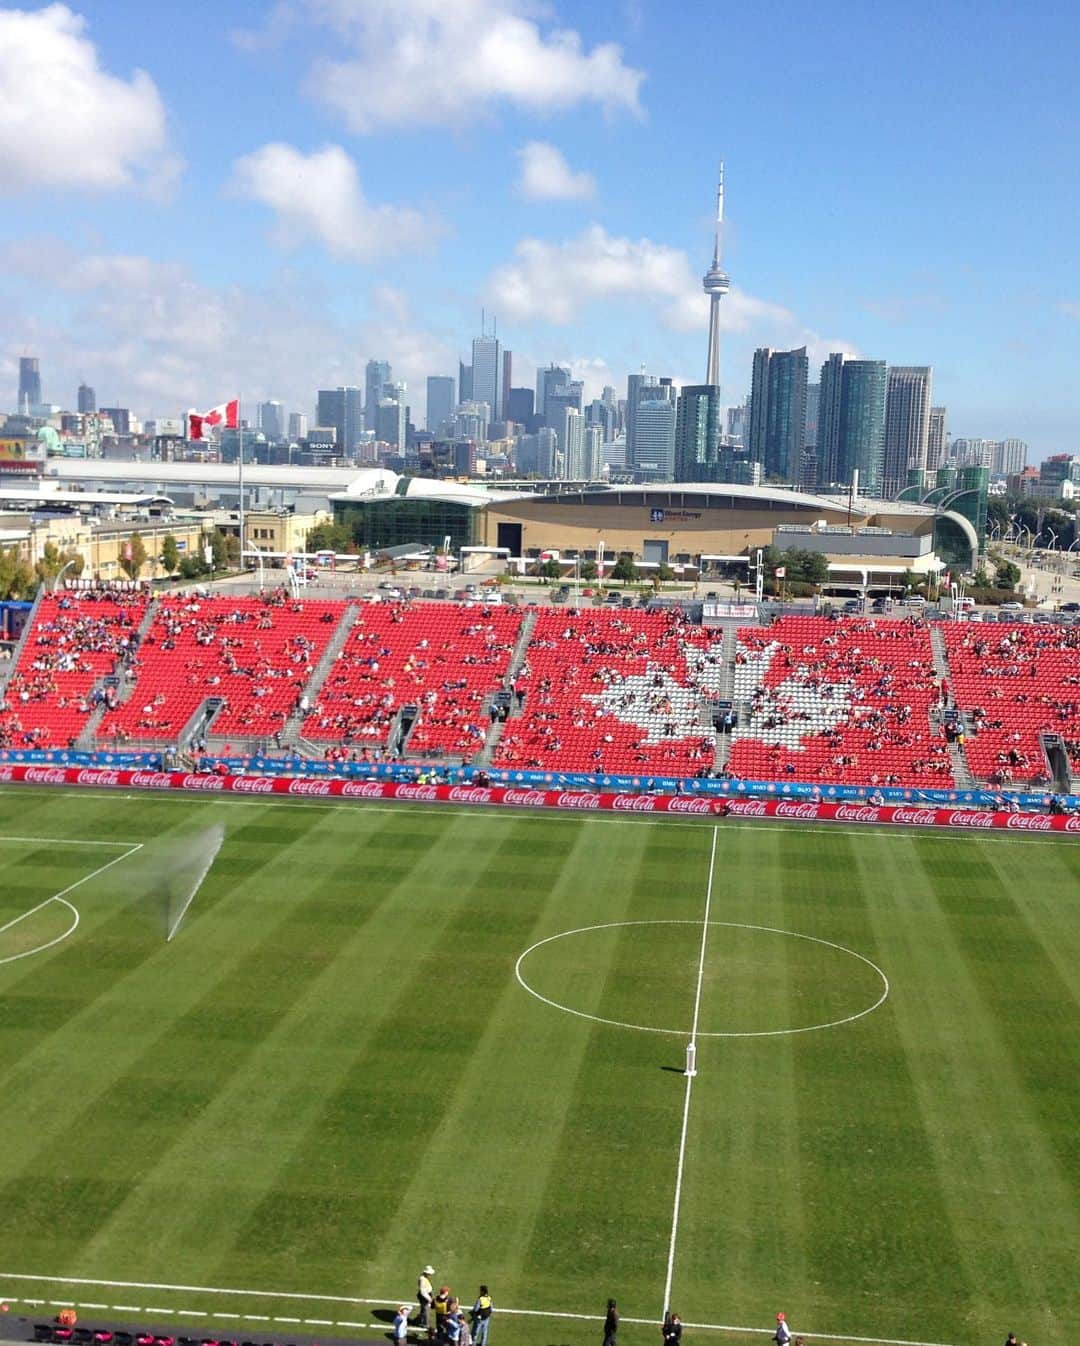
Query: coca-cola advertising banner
x,y
793,810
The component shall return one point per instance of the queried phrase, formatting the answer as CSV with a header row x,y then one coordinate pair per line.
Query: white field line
x,y
565,815
553,1314
689,1082
67,841
60,897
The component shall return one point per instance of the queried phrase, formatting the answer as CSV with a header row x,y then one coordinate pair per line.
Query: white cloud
x,y
318,197
442,62
556,282
1069,308
153,336
546,176
67,123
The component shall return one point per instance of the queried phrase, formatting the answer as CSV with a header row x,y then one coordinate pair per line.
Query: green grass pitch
x,y
332,1074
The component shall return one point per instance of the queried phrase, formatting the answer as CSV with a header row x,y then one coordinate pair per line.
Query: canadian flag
x,y
780,572
225,417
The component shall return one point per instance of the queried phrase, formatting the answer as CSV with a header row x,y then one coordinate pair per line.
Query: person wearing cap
x,y
481,1316
782,1335
401,1323
424,1296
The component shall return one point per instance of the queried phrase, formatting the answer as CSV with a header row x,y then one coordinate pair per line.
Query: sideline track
x,y
553,1314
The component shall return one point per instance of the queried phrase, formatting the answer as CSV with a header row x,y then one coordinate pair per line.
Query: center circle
x,y
757,981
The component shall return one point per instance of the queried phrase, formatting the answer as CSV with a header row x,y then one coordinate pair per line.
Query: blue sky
x,y
257,197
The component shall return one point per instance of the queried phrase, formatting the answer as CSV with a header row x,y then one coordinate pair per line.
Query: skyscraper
x,y
507,379
29,383
390,418
272,420
487,372
1009,457
376,377
697,433
87,400
654,439
570,428
778,412
907,424
851,423
716,284
342,408
298,425
464,382
549,382
520,406
440,402
936,438
536,454
641,388
592,453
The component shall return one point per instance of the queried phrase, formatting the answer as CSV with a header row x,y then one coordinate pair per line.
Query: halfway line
x,y
689,1081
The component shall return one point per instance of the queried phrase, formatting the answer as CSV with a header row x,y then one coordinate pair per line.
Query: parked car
x,y
853,605
442,593
1070,607
1011,606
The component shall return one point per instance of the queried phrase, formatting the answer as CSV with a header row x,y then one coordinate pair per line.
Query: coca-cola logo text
x,y
680,804
252,785
1030,822
39,775
151,780
527,799
368,789
98,778
566,800
470,794
804,811
211,783
309,787
634,803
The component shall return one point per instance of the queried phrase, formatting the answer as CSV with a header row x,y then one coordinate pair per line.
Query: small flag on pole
x,y
224,417
780,572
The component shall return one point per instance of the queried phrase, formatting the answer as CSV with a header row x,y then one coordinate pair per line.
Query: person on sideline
x,y
401,1323
782,1335
481,1316
611,1324
424,1296
671,1328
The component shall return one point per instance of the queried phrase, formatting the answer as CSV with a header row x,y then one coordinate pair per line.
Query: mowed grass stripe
x,y
864,1149
137,1056
231,1152
1022,1129
745,1221
428,1006
985,1151
607,1202
473,1194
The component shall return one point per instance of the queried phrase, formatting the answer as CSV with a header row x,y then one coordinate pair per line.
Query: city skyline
x,y
317,219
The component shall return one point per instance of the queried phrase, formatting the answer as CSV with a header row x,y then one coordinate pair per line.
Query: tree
x,y
551,570
225,550
170,555
589,570
133,556
624,568
664,572
16,577
53,561
335,537
1007,576
191,567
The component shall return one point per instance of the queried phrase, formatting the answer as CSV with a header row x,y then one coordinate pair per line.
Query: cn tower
x,y
716,284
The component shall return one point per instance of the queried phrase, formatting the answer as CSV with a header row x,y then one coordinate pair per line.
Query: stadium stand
x,y
613,691
444,659
75,642
1012,683
254,653
838,701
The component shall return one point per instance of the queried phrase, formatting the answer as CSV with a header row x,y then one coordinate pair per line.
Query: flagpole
x,y
240,457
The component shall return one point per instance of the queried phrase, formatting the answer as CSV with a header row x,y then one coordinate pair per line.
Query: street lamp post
x,y
62,572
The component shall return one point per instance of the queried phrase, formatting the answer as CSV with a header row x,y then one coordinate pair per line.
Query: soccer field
x,y
384,1036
